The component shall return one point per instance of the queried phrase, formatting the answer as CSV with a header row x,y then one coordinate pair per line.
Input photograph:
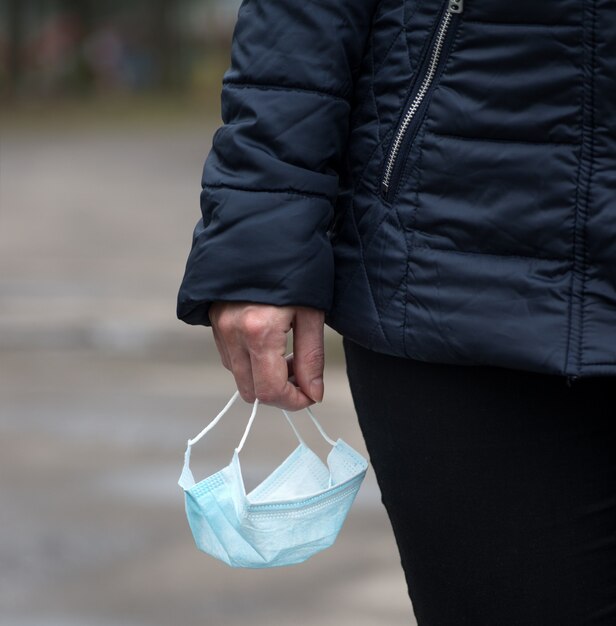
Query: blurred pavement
x,y
100,386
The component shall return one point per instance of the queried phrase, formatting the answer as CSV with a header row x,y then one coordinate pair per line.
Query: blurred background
x,y
107,110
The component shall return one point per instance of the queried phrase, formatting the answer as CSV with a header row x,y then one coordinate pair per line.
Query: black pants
x,y
500,486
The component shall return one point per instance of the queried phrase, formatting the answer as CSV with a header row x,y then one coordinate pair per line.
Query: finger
x,y
265,336
226,322
309,352
221,329
290,372
222,348
241,368
271,381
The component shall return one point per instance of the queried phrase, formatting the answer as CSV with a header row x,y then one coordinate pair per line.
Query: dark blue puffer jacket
x,y
439,177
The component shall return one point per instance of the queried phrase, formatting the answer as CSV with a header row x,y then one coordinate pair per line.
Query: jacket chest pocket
x,y
431,63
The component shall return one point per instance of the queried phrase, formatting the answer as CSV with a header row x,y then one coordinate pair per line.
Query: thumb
x,y
309,352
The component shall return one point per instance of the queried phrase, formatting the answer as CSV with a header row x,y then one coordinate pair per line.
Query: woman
x,y
435,180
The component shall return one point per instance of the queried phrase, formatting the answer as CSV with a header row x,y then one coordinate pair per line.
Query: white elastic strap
x,y
215,420
235,396
187,479
329,440
292,424
250,421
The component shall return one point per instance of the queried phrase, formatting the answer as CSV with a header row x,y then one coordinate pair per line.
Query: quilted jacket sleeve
x,y
270,179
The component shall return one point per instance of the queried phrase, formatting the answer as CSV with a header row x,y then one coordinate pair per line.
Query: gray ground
x,y
100,387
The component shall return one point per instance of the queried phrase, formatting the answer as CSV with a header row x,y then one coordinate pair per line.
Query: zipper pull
x,y
456,6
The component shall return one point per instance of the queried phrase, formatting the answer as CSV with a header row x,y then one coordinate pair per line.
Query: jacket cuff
x,y
270,247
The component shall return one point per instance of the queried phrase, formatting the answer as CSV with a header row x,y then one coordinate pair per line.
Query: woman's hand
x,y
252,339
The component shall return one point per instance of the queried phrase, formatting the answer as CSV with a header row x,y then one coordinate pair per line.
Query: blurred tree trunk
x,y
15,22
82,9
163,14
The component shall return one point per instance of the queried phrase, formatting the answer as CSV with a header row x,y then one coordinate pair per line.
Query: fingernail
x,y
316,389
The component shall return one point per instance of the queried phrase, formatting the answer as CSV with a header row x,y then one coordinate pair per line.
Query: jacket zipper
x,y
410,122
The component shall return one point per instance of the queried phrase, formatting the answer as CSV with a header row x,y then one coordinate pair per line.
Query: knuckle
x,y
254,326
224,324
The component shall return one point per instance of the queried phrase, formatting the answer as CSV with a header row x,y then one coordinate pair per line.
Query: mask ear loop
x,y
320,428
248,426
251,420
215,421
253,414
292,425
187,479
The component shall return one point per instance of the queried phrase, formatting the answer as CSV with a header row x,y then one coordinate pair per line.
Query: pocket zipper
x,y
409,123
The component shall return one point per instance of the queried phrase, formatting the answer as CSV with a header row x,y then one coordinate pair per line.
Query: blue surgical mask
x,y
294,513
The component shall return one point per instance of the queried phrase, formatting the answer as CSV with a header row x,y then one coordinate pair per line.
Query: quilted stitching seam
x,y
394,293
420,136
363,246
363,266
591,104
370,56
270,87
379,144
287,190
581,196
522,24
496,254
418,3
503,140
